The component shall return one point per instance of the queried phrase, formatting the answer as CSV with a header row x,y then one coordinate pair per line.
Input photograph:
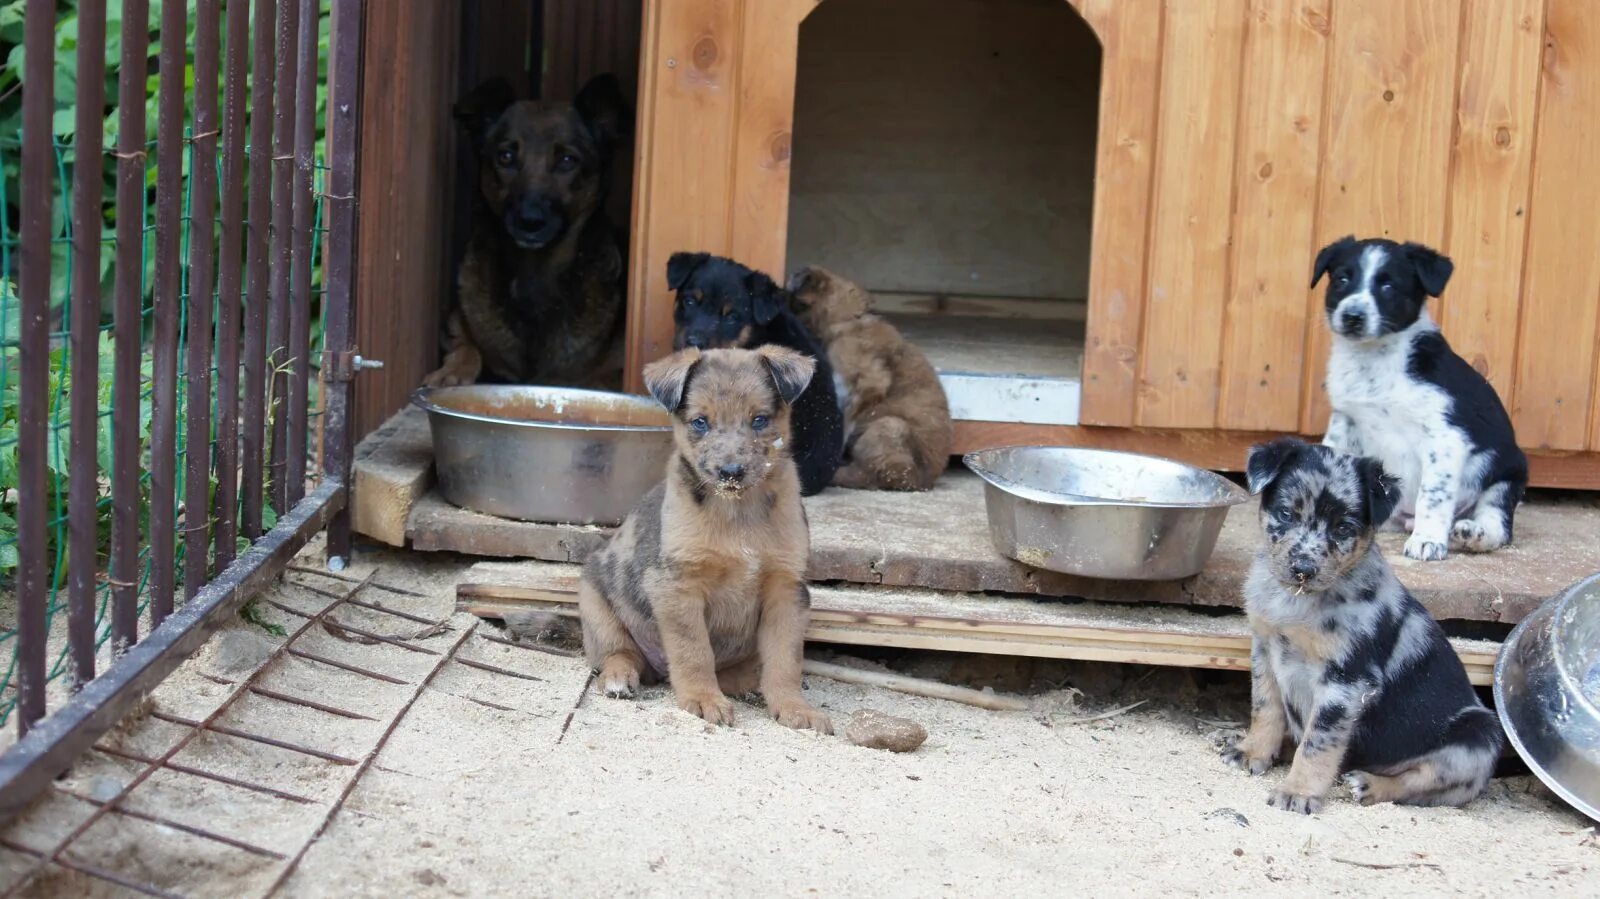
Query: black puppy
x,y
1343,659
721,303
1401,395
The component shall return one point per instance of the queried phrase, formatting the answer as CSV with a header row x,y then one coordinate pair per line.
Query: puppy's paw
x,y
618,681
1240,757
800,715
1295,802
1468,535
1424,550
713,707
1360,785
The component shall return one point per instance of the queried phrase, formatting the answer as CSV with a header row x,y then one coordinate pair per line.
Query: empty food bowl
x,y
1103,514
548,454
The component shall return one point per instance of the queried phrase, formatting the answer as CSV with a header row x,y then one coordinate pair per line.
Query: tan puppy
x,y
897,419
704,582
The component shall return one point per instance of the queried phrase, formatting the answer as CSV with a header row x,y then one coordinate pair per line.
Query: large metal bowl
x,y
546,453
1547,689
1103,514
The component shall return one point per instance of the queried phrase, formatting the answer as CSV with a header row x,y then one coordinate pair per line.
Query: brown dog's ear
x,y
482,107
791,371
767,299
681,265
604,111
668,379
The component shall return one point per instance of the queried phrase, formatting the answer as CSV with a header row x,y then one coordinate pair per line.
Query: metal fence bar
x,y
305,142
169,225
202,208
125,471
228,282
83,493
282,221
255,317
33,410
338,274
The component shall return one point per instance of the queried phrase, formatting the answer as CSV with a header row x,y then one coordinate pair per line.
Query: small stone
x,y
1229,815
240,649
429,877
104,788
875,730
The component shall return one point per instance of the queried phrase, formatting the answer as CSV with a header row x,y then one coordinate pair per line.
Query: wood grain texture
x,y
1501,46
763,133
1387,134
1555,382
1130,37
946,146
683,184
405,184
1191,213
1275,176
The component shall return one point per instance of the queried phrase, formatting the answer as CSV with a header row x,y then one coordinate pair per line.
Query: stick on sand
x,y
916,686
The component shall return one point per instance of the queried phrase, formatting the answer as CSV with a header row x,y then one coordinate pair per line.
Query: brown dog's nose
x,y
732,473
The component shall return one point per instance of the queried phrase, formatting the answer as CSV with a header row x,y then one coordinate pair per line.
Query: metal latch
x,y
342,366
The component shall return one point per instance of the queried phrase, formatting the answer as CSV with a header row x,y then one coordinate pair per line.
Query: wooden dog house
x,y
1097,216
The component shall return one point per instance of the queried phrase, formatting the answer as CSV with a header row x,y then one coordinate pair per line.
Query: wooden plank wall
x,y
1235,138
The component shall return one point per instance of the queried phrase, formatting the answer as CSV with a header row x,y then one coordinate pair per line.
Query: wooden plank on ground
x,y
393,471
1130,33
1390,116
1191,204
1502,41
1280,124
1551,402
940,540
953,622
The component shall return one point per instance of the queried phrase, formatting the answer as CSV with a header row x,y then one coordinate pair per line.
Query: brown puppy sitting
x,y
897,419
704,582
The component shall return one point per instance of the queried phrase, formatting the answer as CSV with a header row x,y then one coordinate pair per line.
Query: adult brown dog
x,y
703,582
897,418
539,294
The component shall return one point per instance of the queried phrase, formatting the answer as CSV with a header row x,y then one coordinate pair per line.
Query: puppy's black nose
x,y
1302,570
1352,321
696,341
731,473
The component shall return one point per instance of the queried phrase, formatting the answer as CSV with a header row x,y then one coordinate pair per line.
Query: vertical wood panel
x,y
1561,288
1386,161
684,174
1280,122
1130,35
768,55
1191,212
1500,50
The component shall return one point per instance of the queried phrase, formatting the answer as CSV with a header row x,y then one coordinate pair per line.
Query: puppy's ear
x,y
668,379
482,107
1267,460
1331,254
681,265
1381,488
603,110
791,371
1433,268
767,299
807,278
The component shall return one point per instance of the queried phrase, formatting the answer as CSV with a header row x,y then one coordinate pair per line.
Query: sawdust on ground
x,y
478,792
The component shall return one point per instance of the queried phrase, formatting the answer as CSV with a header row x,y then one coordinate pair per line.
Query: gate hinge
x,y
342,366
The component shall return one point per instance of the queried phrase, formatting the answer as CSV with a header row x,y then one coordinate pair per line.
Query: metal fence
x,y
159,344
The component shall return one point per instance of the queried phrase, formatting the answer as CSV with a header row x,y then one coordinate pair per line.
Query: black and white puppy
x,y
1343,659
1403,397
722,303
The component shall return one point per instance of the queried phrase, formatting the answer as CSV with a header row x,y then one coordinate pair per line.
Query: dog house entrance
x,y
944,158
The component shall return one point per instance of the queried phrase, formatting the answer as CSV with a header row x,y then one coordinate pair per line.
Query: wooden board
x,y
1180,363
1275,172
393,471
940,540
955,622
1552,402
944,145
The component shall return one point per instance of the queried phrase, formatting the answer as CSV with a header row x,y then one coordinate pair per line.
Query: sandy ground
x,y
478,792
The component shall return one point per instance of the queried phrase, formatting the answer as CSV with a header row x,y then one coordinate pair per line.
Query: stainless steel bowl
x,y
1103,514
546,453
1547,688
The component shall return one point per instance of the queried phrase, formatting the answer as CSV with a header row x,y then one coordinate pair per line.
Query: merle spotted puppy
x,y
722,303
1401,395
1344,660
